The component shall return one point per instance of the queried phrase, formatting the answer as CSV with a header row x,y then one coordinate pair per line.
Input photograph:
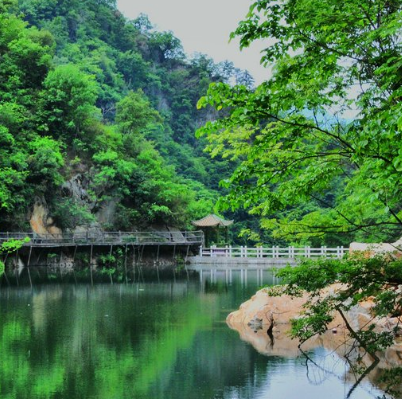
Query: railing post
x,y
230,251
342,252
201,250
292,252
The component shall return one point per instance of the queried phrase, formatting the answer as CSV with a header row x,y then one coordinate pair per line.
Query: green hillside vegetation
x,y
319,143
89,97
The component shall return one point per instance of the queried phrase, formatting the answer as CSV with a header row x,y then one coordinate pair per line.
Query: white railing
x,y
273,252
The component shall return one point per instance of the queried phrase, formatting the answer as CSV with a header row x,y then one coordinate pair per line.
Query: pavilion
x,y
212,224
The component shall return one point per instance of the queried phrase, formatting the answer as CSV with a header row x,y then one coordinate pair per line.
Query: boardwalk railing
x,y
272,252
108,238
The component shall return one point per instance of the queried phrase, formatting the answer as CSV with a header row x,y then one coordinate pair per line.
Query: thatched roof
x,y
212,221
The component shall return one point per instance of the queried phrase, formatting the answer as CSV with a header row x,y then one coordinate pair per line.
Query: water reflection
x,y
256,277
160,335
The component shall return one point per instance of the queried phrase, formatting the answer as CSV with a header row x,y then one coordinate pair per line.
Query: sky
x,y
202,26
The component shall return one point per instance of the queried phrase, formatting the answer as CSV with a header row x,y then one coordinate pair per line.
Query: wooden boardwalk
x,y
149,238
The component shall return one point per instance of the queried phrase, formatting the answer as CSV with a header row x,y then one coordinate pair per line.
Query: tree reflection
x,y
160,340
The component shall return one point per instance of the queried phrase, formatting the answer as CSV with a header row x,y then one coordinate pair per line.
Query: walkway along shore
x,y
229,256
194,254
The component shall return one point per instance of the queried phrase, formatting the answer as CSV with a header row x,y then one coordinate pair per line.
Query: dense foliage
x,y
319,142
97,118
8,247
319,150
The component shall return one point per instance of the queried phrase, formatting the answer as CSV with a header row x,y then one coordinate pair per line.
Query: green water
x,y
157,338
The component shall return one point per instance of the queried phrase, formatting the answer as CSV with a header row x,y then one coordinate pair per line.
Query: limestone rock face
x,y
77,187
40,221
270,336
276,311
268,308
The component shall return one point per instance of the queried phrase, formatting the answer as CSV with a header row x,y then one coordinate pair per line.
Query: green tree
x,y
134,113
69,101
325,128
8,247
29,163
164,46
319,148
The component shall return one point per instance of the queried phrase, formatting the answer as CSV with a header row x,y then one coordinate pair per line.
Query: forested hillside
x,y
97,119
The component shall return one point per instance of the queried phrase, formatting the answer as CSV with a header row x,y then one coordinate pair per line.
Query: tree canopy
x,y
319,143
318,147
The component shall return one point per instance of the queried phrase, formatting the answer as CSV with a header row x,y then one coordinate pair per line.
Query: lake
x,y
161,335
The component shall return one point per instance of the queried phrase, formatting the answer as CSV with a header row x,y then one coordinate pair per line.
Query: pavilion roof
x,y
212,221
